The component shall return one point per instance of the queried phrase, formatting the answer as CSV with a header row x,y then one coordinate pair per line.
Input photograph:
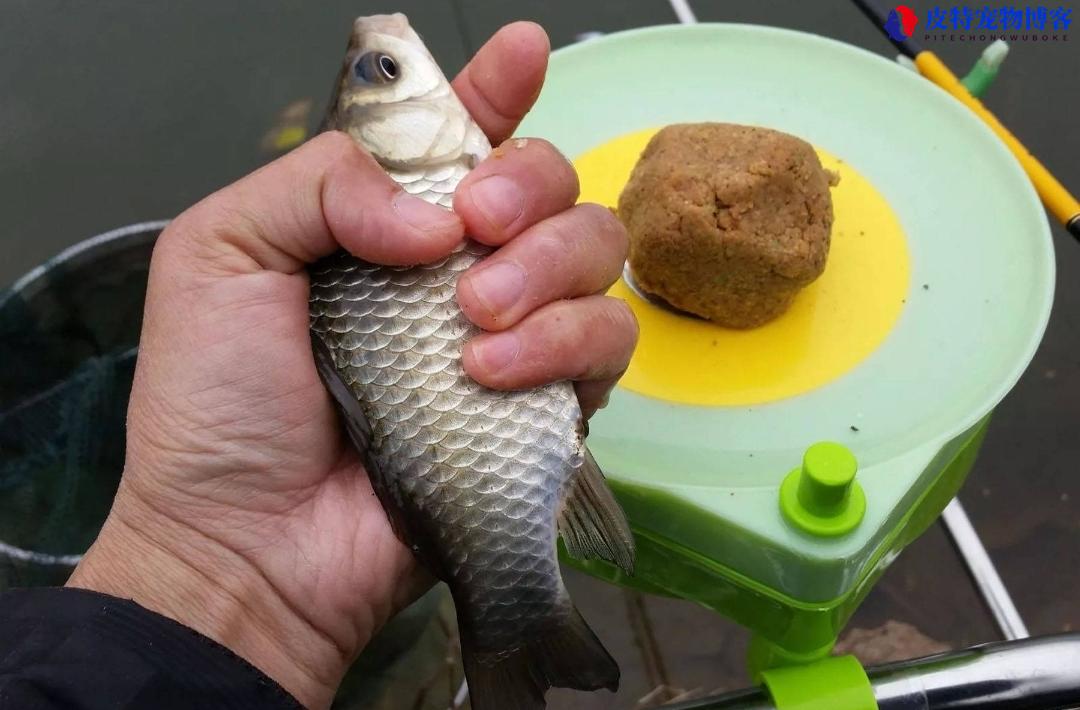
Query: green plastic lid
x,y
700,483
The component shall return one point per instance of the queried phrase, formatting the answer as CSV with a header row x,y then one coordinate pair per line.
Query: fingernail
x,y
496,352
499,286
499,200
422,215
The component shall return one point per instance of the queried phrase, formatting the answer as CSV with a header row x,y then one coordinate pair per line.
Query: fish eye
x,y
375,68
388,66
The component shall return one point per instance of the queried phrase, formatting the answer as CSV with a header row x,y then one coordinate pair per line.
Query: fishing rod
x,y
1057,199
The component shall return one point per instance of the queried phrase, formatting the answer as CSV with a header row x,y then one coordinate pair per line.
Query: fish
x,y
479,483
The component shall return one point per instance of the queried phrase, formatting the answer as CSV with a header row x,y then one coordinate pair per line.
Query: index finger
x,y
503,80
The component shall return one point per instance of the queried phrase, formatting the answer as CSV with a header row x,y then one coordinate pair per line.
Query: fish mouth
x,y
395,25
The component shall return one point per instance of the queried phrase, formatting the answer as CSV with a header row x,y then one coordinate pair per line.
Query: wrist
x,y
171,568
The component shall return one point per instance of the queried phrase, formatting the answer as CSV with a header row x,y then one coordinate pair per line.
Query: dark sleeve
x,y
71,648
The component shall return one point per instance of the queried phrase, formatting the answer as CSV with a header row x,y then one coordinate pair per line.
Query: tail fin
x,y
566,656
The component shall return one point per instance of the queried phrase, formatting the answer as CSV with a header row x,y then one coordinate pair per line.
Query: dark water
x,y
125,111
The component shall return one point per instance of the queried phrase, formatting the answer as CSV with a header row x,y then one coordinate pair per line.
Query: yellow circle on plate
x,y
832,326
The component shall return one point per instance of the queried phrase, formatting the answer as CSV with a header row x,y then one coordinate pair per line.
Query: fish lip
x,y
395,25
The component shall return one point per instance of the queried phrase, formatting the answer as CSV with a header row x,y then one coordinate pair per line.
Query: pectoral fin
x,y
406,527
356,423
592,524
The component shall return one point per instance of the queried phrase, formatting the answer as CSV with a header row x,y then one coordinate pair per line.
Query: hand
x,y
243,512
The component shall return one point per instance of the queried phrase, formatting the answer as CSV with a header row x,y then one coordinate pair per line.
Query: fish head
x,y
393,99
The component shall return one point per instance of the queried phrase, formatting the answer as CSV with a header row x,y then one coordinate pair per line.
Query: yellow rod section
x,y
1054,195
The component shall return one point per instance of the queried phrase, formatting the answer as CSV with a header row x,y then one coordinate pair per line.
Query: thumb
x,y
326,194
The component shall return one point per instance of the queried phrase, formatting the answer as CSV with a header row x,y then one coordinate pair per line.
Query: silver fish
x,y
478,482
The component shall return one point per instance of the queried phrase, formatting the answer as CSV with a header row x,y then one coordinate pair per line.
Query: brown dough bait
x,y
727,222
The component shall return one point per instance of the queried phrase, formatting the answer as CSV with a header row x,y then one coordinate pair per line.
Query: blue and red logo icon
x,y
901,22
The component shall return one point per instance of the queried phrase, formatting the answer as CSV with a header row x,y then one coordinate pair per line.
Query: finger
x,y
576,253
593,395
502,81
588,339
523,182
301,207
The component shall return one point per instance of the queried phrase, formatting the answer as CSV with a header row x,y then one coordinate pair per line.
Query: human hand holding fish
x,y
244,513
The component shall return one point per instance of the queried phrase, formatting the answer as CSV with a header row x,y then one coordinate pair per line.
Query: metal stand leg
x,y
1029,674
683,11
984,573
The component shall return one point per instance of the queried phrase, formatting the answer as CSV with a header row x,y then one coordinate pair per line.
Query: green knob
x,y
823,498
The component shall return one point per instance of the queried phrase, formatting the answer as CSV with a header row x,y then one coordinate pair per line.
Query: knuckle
x,y
562,319
603,222
559,166
613,235
543,145
210,233
576,336
333,143
622,319
549,247
570,178
171,241
595,214
604,230
542,159
473,308
609,337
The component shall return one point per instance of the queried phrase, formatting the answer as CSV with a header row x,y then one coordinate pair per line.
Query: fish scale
x,y
479,482
519,441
